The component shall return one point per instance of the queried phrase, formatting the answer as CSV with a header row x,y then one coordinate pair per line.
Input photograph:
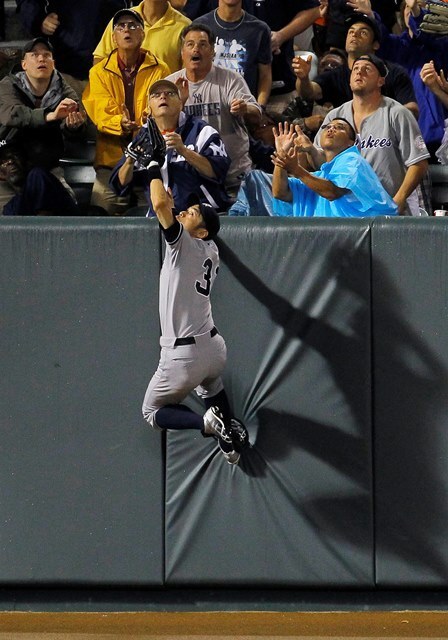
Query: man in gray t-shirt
x,y
193,353
220,97
388,135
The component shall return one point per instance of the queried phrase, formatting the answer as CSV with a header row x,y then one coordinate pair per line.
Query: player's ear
x,y
201,233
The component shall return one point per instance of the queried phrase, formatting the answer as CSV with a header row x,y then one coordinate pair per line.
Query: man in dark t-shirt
x,y
286,19
333,86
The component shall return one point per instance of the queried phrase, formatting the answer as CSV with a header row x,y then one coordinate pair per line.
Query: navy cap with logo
x,y
29,46
365,19
209,215
377,62
128,12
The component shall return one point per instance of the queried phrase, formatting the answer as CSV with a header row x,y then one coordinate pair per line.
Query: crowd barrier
x,y
337,363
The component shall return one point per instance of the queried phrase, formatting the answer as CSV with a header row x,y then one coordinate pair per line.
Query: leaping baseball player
x,y
193,353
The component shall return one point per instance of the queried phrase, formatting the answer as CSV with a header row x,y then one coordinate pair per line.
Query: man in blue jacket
x,y
345,185
196,159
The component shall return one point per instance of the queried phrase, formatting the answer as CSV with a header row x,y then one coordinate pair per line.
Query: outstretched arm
x,y
162,200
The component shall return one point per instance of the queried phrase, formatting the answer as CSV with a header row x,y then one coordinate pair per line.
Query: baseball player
x,y
193,353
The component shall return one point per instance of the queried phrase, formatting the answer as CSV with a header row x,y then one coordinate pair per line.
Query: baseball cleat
x,y
229,453
239,434
214,425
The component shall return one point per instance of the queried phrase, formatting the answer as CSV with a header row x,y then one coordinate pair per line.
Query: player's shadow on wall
x,y
409,384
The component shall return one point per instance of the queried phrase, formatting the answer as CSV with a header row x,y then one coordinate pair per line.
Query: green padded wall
x,y
410,381
293,303
81,476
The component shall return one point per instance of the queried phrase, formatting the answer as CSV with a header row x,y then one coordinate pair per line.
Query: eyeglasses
x,y
168,94
40,54
132,26
336,127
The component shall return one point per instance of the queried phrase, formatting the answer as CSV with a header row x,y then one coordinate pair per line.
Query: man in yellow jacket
x,y
163,25
115,100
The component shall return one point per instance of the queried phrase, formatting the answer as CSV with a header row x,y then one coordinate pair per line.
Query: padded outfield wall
x,y
337,363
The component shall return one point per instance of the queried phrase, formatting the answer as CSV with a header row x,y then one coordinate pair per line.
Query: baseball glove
x,y
147,146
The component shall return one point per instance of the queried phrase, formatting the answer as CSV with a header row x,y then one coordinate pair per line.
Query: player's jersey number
x,y
204,287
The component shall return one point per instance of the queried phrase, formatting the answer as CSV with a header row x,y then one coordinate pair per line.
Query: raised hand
x,y
288,162
363,6
301,141
127,125
66,106
302,67
75,119
238,107
182,85
50,24
284,135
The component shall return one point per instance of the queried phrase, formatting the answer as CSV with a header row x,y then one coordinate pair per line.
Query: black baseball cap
x,y
379,64
29,46
365,19
209,215
128,12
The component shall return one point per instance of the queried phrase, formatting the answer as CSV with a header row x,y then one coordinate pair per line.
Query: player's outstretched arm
x,y
162,201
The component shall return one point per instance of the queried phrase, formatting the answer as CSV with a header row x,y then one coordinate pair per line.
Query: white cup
x,y
440,212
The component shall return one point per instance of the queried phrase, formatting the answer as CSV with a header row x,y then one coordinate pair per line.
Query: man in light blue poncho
x,y
345,185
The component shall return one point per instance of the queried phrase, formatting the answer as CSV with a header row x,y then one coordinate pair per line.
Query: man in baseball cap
x,y
196,160
333,86
37,110
156,87
364,19
128,12
29,46
193,353
210,216
377,62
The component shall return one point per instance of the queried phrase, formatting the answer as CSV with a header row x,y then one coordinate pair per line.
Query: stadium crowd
x,y
298,108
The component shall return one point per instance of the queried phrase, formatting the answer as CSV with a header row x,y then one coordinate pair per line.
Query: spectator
x,y
37,192
38,110
345,186
413,48
286,19
306,113
115,100
340,10
196,160
73,28
438,85
219,96
162,29
243,44
435,81
363,36
387,134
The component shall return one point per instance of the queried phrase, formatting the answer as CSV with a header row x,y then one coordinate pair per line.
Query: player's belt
x,y
180,342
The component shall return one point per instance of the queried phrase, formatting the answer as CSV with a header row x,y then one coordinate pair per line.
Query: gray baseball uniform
x,y
193,353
